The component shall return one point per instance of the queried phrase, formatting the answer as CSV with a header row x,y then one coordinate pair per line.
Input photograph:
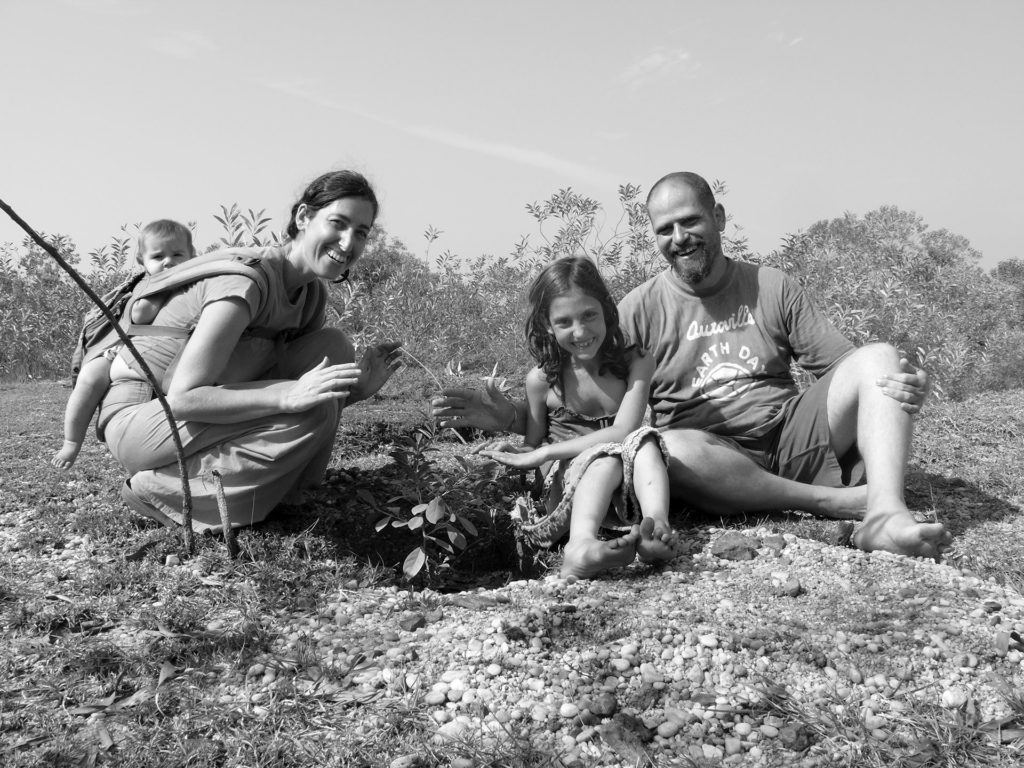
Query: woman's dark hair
x,y
557,279
332,186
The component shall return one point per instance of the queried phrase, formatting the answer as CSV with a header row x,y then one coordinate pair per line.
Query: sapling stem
x,y
430,373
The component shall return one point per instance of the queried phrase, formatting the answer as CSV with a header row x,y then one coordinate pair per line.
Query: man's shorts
x,y
799,447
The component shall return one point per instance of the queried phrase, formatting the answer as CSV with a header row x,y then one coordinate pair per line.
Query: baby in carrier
x,y
162,244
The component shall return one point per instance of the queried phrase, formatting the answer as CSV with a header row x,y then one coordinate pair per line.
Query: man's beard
x,y
691,270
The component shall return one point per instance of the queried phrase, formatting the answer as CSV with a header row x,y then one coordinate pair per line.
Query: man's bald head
x,y
689,179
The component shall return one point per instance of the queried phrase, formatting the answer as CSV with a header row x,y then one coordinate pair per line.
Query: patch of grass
x,y
918,734
92,612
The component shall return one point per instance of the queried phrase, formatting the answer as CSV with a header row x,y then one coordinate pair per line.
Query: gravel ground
x,y
770,660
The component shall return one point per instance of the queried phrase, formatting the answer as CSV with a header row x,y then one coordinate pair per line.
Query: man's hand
x,y
908,388
489,410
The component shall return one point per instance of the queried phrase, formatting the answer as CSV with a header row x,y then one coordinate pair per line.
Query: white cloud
x,y
182,44
662,62
310,91
111,7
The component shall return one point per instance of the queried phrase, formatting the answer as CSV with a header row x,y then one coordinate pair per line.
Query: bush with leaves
x,y
884,276
40,308
444,509
887,277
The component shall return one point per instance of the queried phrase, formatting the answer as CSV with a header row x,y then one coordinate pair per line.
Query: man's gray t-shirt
x,y
723,360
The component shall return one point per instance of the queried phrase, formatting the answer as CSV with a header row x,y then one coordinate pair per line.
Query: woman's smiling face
x,y
333,237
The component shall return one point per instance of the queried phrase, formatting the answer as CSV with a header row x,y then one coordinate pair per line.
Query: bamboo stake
x,y
186,510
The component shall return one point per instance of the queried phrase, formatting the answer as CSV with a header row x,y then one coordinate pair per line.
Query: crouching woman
x,y
258,386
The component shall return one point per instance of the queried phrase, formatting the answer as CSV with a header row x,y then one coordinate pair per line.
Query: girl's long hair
x,y
557,279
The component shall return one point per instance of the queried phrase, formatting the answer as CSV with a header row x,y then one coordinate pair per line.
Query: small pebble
x,y
668,729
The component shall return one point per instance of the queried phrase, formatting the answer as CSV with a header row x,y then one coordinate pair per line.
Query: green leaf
x,y
415,523
445,546
419,509
467,524
398,523
457,539
414,562
366,496
436,509
381,524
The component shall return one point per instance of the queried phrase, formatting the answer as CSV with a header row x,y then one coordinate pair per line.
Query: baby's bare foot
x,y
586,558
65,457
658,542
897,531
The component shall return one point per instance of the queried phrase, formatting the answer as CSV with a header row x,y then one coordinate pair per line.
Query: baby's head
x,y
164,244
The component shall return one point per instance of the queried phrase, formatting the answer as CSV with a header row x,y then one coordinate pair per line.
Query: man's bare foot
x,y
658,543
843,503
897,531
586,558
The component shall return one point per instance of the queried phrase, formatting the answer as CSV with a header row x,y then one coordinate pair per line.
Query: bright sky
x,y
122,111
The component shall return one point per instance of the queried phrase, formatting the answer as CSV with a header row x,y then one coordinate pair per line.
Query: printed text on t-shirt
x,y
739,318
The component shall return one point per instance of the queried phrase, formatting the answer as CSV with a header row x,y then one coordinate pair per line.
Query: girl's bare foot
x,y
897,531
586,558
658,543
843,503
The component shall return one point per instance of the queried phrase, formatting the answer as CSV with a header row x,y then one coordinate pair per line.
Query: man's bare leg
x,y
585,554
858,411
712,475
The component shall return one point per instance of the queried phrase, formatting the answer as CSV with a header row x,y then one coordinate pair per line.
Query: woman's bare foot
x,y
897,531
586,558
658,543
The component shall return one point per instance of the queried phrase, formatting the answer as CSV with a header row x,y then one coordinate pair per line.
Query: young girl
x,y
589,392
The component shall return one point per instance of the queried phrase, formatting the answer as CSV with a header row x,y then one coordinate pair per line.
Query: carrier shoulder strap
x,y
199,268
95,325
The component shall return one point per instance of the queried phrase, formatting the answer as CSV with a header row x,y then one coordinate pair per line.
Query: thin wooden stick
x,y
186,510
230,539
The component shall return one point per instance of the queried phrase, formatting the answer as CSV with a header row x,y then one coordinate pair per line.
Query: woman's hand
x,y
377,366
323,383
521,457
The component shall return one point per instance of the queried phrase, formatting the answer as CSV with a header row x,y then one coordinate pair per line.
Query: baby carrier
x,y
98,335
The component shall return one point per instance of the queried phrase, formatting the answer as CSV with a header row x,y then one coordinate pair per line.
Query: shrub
x,y
887,277
882,277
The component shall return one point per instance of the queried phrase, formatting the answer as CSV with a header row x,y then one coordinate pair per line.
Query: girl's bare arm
x,y
628,417
537,389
